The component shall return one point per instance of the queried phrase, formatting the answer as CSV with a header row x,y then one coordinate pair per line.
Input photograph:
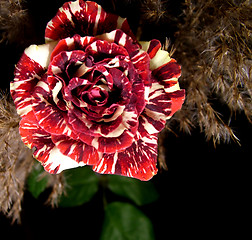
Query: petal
x,y
168,74
72,43
76,150
141,62
49,116
45,150
151,47
165,96
84,18
121,38
113,144
27,74
57,162
30,68
177,99
35,137
41,53
104,48
139,58
161,106
157,55
137,161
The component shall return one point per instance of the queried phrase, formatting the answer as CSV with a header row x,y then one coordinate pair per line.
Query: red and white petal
x,y
150,123
121,38
48,115
151,47
72,43
45,150
137,161
27,74
104,47
161,106
158,57
165,69
177,99
138,57
114,144
85,18
61,26
57,162
41,53
30,68
76,150
112,129
35,137
168,74
141,62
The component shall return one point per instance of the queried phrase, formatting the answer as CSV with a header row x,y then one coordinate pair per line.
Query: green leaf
x,y
123,221
139,192
82,184
36,184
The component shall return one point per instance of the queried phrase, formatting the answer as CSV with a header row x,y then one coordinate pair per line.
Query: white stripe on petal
x,y
114,162
41,53
120,22
55,91
160,59
56,158
98,15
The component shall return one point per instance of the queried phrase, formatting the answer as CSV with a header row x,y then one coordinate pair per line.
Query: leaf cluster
x,y
123,220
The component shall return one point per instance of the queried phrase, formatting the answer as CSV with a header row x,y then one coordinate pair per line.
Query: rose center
x,y
98,95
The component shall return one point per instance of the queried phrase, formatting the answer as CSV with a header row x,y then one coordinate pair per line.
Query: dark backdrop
x,y
203,192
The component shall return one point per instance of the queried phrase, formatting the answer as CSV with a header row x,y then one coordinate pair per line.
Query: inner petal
x,y
98,95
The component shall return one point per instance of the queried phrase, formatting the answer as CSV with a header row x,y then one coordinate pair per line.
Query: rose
x,y
93,95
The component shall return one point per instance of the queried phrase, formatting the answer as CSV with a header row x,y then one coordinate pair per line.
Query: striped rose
x,y
93,95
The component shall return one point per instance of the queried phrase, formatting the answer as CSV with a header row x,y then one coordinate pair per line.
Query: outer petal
x,y
76,150
29,70
44,149
157,55
114,144
168,74
164,69
84,18
138,161
161,107
27,74
165,96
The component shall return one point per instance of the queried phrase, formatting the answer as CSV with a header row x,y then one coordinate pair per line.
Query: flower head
x,y
94,95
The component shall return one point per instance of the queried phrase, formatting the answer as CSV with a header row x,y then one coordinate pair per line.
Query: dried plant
x,y
15,161
213,45
15,24
57,183
152,10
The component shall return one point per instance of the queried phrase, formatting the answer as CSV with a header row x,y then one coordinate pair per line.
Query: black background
x,y
203,193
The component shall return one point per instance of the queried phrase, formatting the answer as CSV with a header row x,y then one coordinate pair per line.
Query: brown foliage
x,y
15,161
15,23
213,45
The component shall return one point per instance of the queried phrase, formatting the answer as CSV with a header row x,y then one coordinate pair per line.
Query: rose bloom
x,y
94,95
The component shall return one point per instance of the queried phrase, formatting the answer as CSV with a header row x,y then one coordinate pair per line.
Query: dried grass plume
x,y
213,45
15,160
